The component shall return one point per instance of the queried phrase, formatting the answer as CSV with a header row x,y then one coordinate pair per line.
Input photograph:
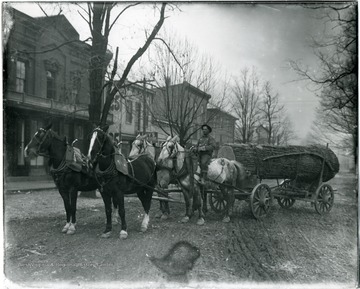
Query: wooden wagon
x,y
300,174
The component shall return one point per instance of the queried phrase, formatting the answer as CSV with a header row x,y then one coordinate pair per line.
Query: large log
x,y
301,163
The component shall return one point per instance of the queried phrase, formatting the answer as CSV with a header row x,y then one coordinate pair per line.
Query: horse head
x,y
40,142
170,160
141,146
100,144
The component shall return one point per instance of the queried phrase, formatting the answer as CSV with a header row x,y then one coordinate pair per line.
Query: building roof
x,y
193,88
222,111
137,86
61,23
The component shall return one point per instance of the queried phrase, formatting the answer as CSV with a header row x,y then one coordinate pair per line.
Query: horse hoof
x,y
106,235
66,228
226,220
70,231
200,222
164,216
185,219
123,234
143,229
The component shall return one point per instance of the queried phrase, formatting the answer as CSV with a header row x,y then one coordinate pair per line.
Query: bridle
x,y
141,147
172,152
99,153
41,141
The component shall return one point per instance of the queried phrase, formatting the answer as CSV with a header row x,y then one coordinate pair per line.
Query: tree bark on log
x,y
303,163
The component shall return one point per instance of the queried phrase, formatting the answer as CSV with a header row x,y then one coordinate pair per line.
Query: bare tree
x,y
335,127
246,100
100,20
284,131
271,112
336,77
184,79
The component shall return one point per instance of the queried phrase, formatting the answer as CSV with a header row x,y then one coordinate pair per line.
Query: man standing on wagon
x,y
205,147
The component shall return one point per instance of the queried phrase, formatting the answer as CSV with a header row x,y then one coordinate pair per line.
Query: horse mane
x,y
62,139
55,134
180,158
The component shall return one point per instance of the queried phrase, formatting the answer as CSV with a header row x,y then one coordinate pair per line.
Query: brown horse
x,y
68,177
118,177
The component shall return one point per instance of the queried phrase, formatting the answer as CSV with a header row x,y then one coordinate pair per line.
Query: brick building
x,y
223,125
44,81
184,105
131,115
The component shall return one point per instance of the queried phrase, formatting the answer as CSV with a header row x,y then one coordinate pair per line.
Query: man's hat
x,y
208,127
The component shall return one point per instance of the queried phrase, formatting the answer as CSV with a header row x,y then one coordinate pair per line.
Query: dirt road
x,y
291,246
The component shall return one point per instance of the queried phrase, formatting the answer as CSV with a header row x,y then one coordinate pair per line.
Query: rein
x,y
111,170
40,142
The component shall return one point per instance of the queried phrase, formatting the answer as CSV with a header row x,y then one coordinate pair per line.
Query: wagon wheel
x,y
260,200
217,202
324,199
285,202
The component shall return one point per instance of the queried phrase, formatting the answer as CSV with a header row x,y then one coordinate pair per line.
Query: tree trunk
x,y
97,65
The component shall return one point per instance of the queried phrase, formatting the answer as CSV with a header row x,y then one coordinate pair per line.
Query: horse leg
x,y
107,202
115,212
188,206
160,213
65,196
204,199
121,207
230,199
145,198
73,201
198,205
166,210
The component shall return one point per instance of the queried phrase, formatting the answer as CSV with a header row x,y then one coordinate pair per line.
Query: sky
x,y
264,36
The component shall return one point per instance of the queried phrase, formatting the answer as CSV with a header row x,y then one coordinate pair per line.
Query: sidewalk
x,y
26,184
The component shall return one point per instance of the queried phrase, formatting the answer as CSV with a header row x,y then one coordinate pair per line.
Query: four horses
x,y
115,176
47,143
118,176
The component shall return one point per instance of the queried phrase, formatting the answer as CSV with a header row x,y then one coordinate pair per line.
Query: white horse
x,y
142,146
221,171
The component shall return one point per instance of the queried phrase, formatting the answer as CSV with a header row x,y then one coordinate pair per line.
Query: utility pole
x,y
144,107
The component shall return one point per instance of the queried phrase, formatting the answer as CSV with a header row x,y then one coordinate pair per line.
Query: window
x,y
128,108
75,87
50,85
79,131
20,76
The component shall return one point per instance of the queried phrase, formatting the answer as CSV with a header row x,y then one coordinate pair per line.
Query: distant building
x,y
223,125
182,103
262,135
131,116
45,81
